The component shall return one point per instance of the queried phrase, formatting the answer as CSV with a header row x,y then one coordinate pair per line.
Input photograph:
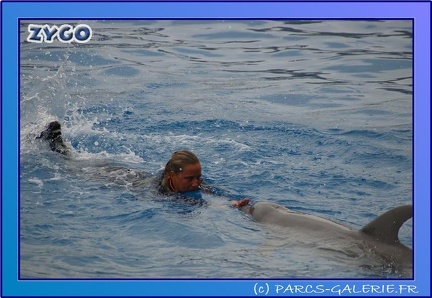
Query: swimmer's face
x,y
188,179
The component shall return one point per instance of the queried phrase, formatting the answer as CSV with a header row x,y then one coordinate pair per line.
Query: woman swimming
x,y
182,172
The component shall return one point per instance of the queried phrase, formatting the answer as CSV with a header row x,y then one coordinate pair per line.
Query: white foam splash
x,y
36,181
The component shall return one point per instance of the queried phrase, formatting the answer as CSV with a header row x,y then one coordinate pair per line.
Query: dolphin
x,y
380,236
54,137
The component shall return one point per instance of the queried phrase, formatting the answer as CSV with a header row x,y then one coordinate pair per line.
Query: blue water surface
x,y
313,115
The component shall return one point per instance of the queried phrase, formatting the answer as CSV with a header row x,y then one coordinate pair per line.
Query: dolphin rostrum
x,y
379,236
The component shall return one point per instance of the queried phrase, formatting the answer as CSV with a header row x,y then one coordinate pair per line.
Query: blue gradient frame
x,y
12,12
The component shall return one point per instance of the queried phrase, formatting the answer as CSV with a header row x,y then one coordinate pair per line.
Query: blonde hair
x,y
178,160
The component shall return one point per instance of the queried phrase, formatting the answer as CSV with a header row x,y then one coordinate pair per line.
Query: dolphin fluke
x,y
386,227
54,137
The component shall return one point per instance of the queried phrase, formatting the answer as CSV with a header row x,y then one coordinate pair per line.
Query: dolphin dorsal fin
x,y
386,226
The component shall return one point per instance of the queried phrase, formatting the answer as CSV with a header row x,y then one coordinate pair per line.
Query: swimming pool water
x,y
313,115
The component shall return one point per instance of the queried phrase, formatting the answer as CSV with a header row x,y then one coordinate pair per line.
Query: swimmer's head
x,y
182,172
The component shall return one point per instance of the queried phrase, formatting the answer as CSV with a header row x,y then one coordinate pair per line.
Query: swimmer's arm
x,y
234,202
240,203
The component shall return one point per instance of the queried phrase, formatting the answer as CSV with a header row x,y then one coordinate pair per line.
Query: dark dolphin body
x,y
380,236
54,137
